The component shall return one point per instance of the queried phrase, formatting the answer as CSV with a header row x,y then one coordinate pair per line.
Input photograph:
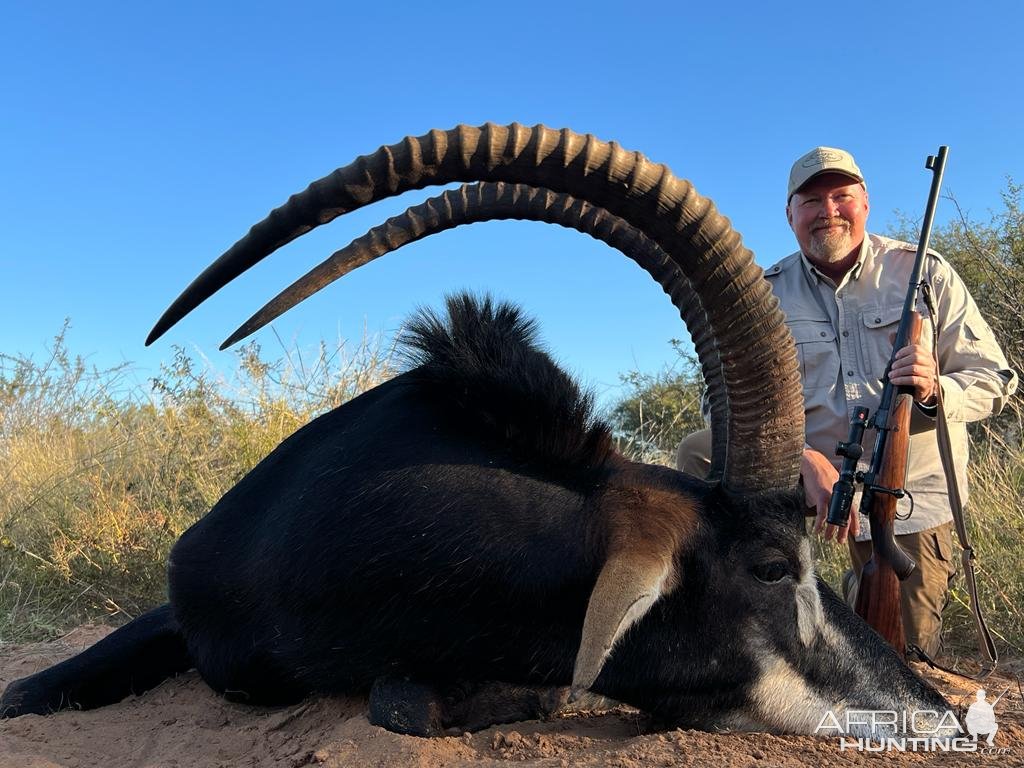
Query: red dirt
x,y
183,723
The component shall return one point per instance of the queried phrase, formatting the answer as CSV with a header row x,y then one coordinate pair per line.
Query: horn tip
x,y
154,334
246,329
167,320
237,336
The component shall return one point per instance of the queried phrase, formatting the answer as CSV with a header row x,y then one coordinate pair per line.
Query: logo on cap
x,y
820,157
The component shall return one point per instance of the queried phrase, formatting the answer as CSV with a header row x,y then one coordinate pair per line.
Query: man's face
x,y
828,215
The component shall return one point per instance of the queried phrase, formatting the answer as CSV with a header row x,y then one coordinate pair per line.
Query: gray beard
x,y
831,245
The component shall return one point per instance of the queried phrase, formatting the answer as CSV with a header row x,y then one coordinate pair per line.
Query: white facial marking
x,y
810,617
836,641
783,700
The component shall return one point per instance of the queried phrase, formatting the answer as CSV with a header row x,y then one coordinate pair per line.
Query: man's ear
x,y
789,215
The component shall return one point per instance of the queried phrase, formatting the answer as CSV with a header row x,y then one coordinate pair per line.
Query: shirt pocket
x,y
878,329
816,351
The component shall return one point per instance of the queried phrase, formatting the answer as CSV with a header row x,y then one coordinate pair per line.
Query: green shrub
x,y
658,410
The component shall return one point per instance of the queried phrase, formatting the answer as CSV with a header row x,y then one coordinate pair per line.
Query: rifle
x,y
878,593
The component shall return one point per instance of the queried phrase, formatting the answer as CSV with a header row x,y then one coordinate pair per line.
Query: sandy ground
x,y
183,723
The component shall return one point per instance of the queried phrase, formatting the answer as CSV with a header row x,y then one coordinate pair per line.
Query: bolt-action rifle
x,y
878,593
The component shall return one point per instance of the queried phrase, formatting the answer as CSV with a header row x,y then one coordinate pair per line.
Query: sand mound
x,y
183,723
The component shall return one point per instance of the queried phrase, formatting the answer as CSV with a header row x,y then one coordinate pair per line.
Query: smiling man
x,y
843,294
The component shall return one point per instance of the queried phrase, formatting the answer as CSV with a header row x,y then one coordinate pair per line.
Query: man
x,y
843,295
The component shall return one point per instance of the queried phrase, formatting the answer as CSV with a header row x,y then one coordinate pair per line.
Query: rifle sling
x,y
986,645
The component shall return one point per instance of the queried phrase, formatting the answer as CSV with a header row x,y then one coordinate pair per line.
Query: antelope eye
x,y
771,571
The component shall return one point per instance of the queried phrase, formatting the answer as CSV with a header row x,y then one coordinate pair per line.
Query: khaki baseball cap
x,y
822,160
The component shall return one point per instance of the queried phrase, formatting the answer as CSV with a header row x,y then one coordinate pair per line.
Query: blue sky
x,y
139,141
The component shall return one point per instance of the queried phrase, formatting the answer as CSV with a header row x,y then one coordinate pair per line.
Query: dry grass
x,y
101,476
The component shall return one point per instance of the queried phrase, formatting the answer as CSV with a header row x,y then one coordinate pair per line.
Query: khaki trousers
x,y
925,592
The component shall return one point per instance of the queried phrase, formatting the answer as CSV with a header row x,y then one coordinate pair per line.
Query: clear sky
x,y
138,141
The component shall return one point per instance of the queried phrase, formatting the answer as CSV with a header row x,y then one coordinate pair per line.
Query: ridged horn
x,y
758,358
472,203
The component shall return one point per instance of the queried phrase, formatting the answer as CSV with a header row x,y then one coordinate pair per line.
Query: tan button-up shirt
x,y
844,335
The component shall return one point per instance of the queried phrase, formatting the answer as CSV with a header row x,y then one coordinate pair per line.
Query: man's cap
x,y
822,160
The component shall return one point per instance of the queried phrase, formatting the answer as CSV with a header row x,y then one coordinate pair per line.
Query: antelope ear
x,y
628,585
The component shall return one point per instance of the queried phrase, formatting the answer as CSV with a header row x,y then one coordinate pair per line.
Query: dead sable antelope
x,y
468,521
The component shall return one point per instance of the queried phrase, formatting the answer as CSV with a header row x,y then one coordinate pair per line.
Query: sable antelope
x,y
469,521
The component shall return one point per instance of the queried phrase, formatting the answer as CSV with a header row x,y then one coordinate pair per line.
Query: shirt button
x,y
823,334
849,373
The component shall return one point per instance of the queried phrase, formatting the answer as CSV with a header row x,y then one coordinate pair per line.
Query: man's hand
x,y
914,367
819,476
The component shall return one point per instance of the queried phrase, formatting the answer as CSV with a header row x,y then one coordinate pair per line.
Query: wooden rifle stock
x,y
878,592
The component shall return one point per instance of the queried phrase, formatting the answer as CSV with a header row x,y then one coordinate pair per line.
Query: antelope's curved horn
x,y
758,360
488,201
